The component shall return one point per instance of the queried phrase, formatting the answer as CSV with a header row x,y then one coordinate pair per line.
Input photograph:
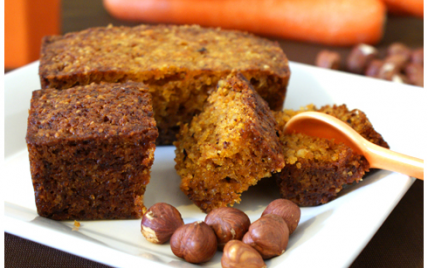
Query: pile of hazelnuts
x,y
401,64
227,229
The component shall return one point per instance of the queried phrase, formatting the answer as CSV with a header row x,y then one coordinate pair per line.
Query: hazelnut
x,y
373,68
360,57
415,74
388,70
418,56
268,235
194,242
328,59
400,78
238,254
287,210
397,59
159,223
228,224
399,49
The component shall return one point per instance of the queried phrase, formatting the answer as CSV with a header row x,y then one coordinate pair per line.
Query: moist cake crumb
x,y
231,145
316,169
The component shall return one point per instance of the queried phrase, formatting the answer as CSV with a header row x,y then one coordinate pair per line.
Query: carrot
x,y
406,7
25,23
332,22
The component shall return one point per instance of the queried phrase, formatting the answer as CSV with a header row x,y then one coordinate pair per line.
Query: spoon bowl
x,y
326,126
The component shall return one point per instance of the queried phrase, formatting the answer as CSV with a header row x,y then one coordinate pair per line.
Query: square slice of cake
x,y
179,64
91,149
317,169
231,145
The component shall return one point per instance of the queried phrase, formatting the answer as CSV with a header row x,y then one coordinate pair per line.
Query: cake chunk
x,y
180,65
316,169
228,147
91,149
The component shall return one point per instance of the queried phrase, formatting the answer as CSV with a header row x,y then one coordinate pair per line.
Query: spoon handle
x,y
382,158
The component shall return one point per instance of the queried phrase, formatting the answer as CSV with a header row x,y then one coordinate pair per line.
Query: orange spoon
x,y
326,126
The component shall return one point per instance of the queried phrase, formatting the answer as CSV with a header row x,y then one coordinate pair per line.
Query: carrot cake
x,y
228,147
181,65
91,149
316,169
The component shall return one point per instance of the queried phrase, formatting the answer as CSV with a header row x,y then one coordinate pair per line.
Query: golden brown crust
x,y
90,112
91,149
149,48
180,64
229,146
317,169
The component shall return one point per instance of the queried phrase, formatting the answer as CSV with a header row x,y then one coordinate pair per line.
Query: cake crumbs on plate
x,y
76,226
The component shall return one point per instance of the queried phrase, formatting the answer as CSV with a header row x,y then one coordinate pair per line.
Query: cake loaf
x,y
316,169
231,145
91,149
180,65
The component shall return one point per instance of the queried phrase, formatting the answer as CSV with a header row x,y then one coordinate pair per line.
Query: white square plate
x,y
331,235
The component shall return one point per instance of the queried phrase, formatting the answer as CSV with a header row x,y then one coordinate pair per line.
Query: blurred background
x,y
399,242
27,22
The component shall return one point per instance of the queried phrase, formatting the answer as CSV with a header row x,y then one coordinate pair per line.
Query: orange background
x,y
26,22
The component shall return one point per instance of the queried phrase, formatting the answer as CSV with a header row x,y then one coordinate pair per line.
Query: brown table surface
x,y
398,242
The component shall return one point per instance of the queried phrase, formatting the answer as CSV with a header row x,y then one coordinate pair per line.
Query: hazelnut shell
x,y
399,49
268,235
373,68
328,59
159,223
287,210
359,58
418,56
237,254
194,242
415,74
388,70
228,224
